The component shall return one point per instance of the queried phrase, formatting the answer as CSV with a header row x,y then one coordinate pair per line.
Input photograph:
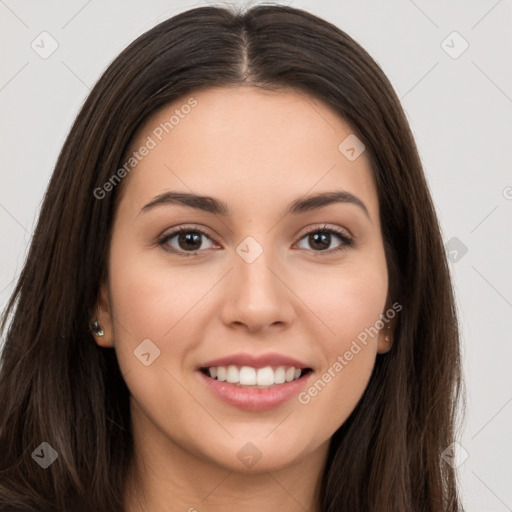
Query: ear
x,y
385,337
103,314
385,340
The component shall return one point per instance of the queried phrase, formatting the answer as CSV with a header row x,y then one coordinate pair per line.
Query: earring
x,y
96,329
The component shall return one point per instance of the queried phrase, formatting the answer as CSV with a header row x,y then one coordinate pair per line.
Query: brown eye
x,y
184,240
190,240
320,240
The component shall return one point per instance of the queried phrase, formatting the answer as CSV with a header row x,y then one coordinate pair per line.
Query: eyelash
x,y
347,242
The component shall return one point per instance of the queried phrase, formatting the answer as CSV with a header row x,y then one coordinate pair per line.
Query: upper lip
x,y
254,361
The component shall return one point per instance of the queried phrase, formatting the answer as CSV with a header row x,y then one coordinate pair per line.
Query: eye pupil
x,y
325,242
189,237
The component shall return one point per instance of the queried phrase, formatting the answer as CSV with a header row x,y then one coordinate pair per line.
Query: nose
x,y
257,295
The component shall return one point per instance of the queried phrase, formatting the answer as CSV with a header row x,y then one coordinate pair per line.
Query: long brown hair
x,y
58,386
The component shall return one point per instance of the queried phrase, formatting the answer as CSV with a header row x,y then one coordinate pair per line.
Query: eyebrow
x,y
211,205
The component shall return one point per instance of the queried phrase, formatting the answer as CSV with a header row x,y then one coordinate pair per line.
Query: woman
x,y
237,293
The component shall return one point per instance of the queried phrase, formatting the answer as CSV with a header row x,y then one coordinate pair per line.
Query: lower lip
x,y
253,399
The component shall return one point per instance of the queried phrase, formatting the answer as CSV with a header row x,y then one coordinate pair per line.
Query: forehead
x,y
249,145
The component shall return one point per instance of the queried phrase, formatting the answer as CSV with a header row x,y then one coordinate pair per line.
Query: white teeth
x,y
248,376
233,375
280,375
290,374
265,376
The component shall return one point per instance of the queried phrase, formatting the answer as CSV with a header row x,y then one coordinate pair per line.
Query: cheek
x,y
348,300
332,395
150,299
348,356
349,303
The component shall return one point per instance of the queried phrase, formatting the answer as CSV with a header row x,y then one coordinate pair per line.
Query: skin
x,y
257,151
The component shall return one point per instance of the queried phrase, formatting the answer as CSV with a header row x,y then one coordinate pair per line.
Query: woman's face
x,y
263,287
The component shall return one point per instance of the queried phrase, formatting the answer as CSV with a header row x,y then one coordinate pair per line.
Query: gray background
x,y
460,111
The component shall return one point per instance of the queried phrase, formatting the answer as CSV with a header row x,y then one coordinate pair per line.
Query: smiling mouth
x,y
258,378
